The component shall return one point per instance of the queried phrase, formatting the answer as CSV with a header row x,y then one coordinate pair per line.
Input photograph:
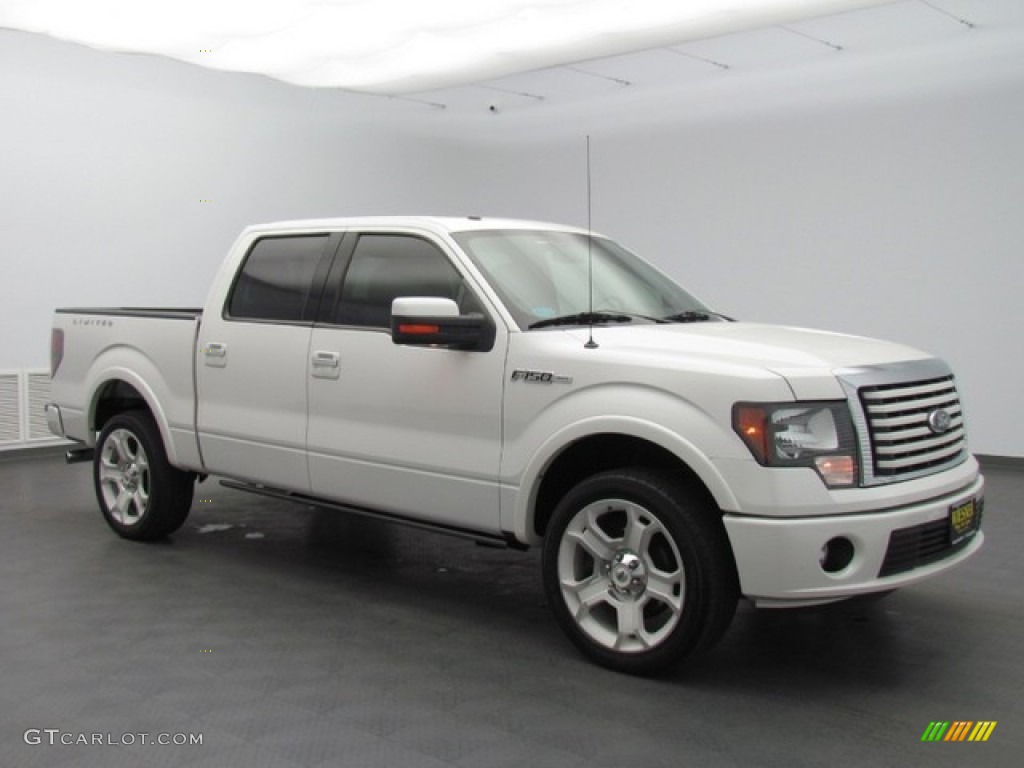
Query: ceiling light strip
x,y
833,46
511,92
695,57
609,78
944,12
414,100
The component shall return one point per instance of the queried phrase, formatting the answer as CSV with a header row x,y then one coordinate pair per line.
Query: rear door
x,y
410,430
252,363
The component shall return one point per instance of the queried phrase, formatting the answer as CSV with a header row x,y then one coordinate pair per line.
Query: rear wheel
x,y
638,570
141,495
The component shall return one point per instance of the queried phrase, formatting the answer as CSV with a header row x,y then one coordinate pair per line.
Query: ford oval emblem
x,y
939,421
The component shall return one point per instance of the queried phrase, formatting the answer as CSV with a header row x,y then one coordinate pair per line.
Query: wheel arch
x,y
120,392
112,397
615,446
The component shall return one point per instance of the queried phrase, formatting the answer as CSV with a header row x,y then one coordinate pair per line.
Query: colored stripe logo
x,y
959,730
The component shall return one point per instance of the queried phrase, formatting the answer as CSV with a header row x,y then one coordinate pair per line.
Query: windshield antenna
x,y
591,344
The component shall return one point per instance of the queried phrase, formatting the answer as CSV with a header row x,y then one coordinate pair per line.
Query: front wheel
x,y
141,495
638,570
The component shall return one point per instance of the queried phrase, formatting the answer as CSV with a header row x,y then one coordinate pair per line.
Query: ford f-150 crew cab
x,y
532,385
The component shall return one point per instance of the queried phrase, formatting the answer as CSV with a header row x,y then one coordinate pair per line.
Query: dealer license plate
x,y
963,521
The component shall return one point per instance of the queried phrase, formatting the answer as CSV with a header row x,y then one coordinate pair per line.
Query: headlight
x,y
816,435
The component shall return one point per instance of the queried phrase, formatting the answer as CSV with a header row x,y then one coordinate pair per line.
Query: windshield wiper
x,y
582,318
636,316
691,316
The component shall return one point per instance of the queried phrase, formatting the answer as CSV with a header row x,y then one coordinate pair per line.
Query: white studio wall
x,y
894,223
874,196
124,179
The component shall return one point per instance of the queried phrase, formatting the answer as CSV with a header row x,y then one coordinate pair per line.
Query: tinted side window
x,y
277,278
385,267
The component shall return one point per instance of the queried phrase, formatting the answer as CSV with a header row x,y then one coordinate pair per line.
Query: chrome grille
x,y
891,405
904,427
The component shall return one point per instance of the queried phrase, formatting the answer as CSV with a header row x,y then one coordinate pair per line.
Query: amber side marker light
x,y
751,425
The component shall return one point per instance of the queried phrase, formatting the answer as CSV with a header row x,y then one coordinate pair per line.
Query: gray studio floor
x,y
290,637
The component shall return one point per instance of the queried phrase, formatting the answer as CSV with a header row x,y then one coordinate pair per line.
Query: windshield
x,y
540,275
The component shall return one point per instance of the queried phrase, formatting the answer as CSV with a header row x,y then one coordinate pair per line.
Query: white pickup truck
x,y
529,384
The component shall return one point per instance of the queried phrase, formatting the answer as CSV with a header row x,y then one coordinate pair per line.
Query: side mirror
x,y
431,321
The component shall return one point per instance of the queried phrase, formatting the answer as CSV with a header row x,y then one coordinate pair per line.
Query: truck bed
x,y
150,350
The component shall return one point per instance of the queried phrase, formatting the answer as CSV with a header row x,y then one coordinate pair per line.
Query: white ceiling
x,y
395,46
897,27
633,47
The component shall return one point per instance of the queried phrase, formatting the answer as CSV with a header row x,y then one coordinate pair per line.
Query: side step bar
x,y
484,539
78,455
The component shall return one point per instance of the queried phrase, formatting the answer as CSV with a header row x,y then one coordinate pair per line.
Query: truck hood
x,y
803,356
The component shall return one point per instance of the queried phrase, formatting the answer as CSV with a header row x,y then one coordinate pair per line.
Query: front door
x,y
409,430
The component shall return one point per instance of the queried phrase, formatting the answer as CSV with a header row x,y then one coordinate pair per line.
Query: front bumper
x,y
778,559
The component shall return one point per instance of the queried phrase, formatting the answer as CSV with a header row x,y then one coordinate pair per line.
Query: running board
x,y
484,539
78,455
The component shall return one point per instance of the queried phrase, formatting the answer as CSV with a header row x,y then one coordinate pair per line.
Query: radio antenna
x,y
591,344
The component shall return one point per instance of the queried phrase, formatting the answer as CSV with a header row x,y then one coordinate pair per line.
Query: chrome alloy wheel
x,y
621,575
124,477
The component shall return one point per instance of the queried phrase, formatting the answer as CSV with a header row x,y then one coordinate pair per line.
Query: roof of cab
x,y
436,224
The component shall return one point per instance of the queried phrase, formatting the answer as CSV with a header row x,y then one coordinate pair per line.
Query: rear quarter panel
x,y
153,354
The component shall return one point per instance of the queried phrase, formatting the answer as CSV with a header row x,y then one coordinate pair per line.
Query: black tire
x,y
638,570
141,495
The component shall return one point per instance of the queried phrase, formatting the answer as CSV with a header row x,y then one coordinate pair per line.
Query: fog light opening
x,y
836,555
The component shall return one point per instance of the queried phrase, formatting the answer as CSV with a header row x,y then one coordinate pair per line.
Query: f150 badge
x,y
540,377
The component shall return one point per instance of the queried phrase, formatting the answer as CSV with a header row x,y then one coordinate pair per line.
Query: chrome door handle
x,y
216,354
326,365
325,359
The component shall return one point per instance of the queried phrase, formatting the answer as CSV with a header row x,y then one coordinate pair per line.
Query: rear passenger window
x,y
385,267
277,279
